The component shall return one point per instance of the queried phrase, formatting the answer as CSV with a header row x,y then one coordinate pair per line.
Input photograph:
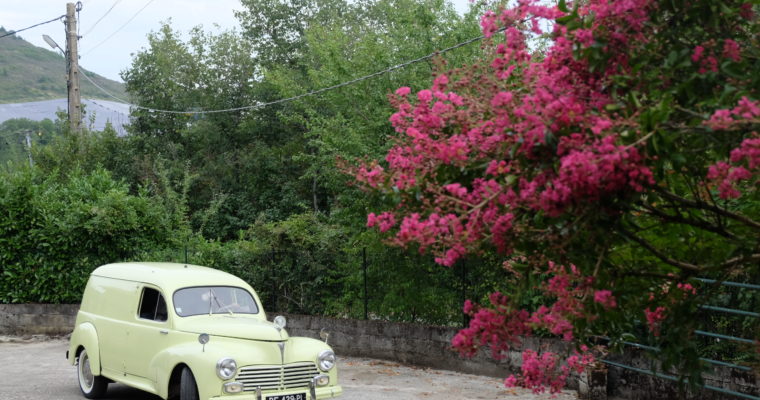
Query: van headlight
x,y
226,368
326,360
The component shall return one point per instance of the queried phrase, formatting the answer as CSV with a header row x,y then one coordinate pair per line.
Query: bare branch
x,y
741,259
705,206
679,264
695,222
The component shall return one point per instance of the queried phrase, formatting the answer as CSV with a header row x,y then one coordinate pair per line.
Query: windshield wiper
x,y
218,304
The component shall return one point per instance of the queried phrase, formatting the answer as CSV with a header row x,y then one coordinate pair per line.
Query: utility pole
x,y
72,54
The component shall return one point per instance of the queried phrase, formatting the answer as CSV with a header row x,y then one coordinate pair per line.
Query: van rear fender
x,y
85,336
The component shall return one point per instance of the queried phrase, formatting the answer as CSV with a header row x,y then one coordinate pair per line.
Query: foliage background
x,y
260,192
257,193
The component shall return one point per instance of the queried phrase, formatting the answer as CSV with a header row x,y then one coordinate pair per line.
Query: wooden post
x,y
72,56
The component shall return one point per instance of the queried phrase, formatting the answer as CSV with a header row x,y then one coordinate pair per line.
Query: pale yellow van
x,y
188,332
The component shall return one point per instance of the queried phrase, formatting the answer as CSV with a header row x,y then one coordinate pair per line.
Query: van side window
x,y
153,305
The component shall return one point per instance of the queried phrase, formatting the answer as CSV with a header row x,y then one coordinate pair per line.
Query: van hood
x,y
234,327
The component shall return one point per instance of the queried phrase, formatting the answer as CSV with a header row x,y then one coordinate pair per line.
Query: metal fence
x,y
709,335
390,285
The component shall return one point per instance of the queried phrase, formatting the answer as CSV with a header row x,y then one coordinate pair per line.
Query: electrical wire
x,y
300,96
33,26
120,28
101,18
117,125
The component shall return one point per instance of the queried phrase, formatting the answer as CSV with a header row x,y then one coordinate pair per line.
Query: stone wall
x,y
37,319
427,346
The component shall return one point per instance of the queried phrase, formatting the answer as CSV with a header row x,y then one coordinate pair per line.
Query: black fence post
x,y
364,265
465,317
275,295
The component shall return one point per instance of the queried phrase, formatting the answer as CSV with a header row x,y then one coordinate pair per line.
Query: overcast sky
x,y
113,55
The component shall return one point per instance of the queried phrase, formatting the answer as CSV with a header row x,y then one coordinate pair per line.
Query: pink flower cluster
x,y
687,289
385,221
548,144
541,370
746,111
501,326
707,62
605,298
498,327
706,54
654,319
744,161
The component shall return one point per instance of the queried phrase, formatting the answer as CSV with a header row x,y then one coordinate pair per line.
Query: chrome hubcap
x,y
85,374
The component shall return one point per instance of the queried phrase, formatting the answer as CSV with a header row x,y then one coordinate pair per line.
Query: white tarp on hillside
x,y
104,111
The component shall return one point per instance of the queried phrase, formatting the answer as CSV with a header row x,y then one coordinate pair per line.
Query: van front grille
x,y
277,377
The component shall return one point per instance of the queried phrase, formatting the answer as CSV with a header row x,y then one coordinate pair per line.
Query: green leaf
x,y
562,6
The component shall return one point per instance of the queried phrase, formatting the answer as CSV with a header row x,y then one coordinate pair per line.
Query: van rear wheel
x,y
92,386
188,390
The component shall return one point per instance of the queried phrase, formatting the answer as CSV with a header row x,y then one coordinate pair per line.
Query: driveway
x,y
37,369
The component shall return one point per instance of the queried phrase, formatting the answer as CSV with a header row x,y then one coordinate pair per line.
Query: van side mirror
x,y
324,334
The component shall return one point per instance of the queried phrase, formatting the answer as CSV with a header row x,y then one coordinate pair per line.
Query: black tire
x,y
92,386
188,390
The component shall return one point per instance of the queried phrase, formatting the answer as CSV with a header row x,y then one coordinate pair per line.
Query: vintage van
x,y
191,332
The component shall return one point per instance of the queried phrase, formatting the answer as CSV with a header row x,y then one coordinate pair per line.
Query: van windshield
x,y
213,300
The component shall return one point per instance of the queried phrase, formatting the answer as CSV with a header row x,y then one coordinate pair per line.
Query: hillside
x,y
31,73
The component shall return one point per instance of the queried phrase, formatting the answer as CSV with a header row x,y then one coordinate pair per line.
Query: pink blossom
x,y
403,91
697,54
709,64
687,288
721,119
746,108
731,50
605,298
371,220
749,151
584,37
386,221
456,189
654,318
424,96
745,10
440,82
501,99
488,23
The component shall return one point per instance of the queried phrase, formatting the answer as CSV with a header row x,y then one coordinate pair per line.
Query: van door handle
x,y
163,332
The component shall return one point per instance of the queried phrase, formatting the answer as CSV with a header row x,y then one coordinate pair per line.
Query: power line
x,y
101,18
300,96
120,28
30,27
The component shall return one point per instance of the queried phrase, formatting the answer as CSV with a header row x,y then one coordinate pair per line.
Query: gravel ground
x,y
49,377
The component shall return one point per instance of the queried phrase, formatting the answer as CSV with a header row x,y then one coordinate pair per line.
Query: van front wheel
x,y
92,386
188,390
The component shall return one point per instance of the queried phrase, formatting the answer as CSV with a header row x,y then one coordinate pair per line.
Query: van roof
x,y
168,276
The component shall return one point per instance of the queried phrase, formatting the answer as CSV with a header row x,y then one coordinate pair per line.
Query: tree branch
x,y
738,260
643,243
698,223
705,206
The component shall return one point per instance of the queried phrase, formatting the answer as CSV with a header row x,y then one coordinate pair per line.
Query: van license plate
x,y
296,396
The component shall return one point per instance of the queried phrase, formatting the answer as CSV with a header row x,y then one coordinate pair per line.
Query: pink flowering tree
x,y
605,171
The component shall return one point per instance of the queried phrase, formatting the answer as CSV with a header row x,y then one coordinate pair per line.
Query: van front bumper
x,y
328,392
